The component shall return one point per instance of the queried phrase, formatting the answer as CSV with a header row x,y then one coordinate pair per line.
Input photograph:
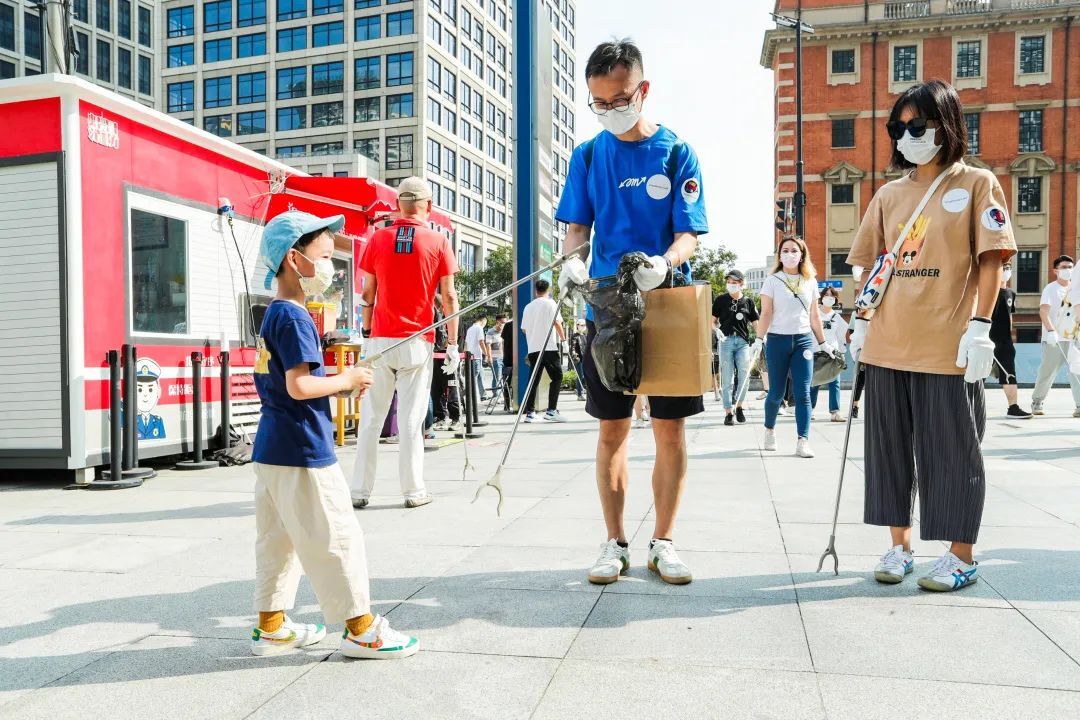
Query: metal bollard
x,y
474,395
468,402
113,478
196,462
226,400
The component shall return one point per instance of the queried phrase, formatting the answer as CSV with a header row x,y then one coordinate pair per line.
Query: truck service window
x,y
159,282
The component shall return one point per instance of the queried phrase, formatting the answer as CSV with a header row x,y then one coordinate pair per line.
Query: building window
x,y
32,35
368,28
326,34
973,122
251,45
220,125
843,133
905,58
434,111
1029,192
327,114
217,16
7,27
291,83
328,78
843,194
367,109
399,69
292,118
146,75
291,9
1032,55
368,147
82,62
969,59
843,61
104,18
145,24
81,10
181,21
838,266
399,106
365,4
367,75
285,151
159,292
252,122
449,85
251,88
450,121
250,12
434,74
399,23
467,255
217,92
123,18
328,148
327,7
434,157
104,61
434,30
399,152
123,68
7,70
179,55
292,39
1031,131
217,50
1028,265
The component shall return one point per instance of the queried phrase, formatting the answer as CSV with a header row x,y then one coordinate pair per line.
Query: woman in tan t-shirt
x,y
931,326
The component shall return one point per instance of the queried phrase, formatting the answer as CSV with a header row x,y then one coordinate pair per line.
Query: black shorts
x,y
603,404
1005,355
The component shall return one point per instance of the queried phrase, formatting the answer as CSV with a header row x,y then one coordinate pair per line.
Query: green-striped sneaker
x,y
379,642
288,637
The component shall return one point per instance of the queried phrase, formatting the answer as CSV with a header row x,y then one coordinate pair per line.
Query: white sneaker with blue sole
x,y
948,574
895,565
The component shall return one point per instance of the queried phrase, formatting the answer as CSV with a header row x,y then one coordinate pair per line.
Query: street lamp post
x,y
799,27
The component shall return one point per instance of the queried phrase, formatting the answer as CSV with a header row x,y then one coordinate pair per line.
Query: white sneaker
x,y
554,416
637,424
783,411
379,642
894,566
770,439
836,417
419,501
664,561
439,426
530,417
390,440
288,637
645,419
948,574
1037,408
614,561
803,449
716,396
360,502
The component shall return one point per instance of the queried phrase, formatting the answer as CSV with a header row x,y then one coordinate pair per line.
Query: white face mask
x,y
790,260
733,288
318,283
1006,275
828,302
1065,274
620,122
918,151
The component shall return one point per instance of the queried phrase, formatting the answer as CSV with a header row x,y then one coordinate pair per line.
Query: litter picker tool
x,y
496,479
831,549
465,435
746,381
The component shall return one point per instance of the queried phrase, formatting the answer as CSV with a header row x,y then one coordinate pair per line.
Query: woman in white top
x,y
790,323
836,329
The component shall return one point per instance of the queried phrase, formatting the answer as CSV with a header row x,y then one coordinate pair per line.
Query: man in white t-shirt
x,y
544,349
477,347
1058,315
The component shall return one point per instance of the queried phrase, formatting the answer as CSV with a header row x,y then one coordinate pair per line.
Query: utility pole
x,y
799,27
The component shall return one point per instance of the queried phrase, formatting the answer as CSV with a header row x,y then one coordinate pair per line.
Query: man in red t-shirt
x,y
402,267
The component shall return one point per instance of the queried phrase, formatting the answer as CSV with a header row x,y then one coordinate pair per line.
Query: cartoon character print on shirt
x,y
1068,320
909,251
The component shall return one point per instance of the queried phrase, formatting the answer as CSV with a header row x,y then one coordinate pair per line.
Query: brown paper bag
x,y
676,352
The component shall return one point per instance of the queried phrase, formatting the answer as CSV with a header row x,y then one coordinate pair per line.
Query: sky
x,y
702,59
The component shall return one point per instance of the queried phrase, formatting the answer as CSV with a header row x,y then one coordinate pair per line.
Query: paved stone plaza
x,y
137,603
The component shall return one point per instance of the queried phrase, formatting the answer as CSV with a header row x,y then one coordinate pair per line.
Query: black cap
x,y
735,274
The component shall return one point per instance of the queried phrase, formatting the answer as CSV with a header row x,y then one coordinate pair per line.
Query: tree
x,y
498,272
711,265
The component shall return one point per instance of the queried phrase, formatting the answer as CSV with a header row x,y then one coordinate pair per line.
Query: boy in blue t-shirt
x,y
303,513
634,187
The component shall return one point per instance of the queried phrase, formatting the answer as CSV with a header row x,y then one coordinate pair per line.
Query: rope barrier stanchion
x,y
197,462
113,478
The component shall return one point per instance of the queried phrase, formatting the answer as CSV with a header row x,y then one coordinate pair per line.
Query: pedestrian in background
x,y
477,347
836,331
577,356
508,338
1004,350
495,353
544,332
734,315
1059,329
444,388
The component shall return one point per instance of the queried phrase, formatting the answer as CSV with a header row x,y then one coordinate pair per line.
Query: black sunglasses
x,y
915,126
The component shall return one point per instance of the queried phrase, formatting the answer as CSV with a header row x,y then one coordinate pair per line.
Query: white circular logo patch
x,y
691,191
956,200
658,187
994,218
808,354
739,316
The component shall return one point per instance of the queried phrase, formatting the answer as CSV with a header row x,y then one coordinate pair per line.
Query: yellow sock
x,y
271,622
359,625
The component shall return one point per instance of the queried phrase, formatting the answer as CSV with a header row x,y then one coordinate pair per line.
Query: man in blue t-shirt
x,y
637,187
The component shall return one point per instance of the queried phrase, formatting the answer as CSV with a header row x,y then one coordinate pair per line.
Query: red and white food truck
x,y
111,234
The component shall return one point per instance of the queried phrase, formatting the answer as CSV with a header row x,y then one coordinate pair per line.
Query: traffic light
x,y
785,216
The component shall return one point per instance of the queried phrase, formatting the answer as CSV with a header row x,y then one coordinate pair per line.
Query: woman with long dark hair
x,y
927,349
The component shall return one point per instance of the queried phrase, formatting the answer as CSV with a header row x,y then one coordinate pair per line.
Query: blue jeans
x,y
579,373
496,373
734,354
834,395
794,354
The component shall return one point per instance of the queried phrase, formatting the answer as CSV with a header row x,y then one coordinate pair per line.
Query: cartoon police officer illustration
x,y
147,393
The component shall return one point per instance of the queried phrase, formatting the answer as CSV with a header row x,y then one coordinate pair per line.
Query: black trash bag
x,y
618,310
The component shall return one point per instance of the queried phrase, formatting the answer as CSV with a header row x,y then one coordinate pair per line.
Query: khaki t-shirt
x,y
931,296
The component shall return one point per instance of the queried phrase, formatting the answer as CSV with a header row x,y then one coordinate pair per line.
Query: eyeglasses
x,y
620,105
915,126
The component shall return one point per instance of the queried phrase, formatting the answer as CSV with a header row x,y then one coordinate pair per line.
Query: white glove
x,y
1050,336
573,272
650,278
860,327
827,347
976,352
759,344
453,360
857,273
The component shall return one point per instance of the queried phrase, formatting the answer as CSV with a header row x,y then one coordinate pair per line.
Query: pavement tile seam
x,y
947,683
1043,632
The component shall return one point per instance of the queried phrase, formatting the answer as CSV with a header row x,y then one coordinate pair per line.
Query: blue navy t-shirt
x,y
294,433
629,199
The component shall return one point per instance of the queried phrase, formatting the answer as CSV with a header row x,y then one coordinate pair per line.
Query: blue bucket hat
x,y
281,233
